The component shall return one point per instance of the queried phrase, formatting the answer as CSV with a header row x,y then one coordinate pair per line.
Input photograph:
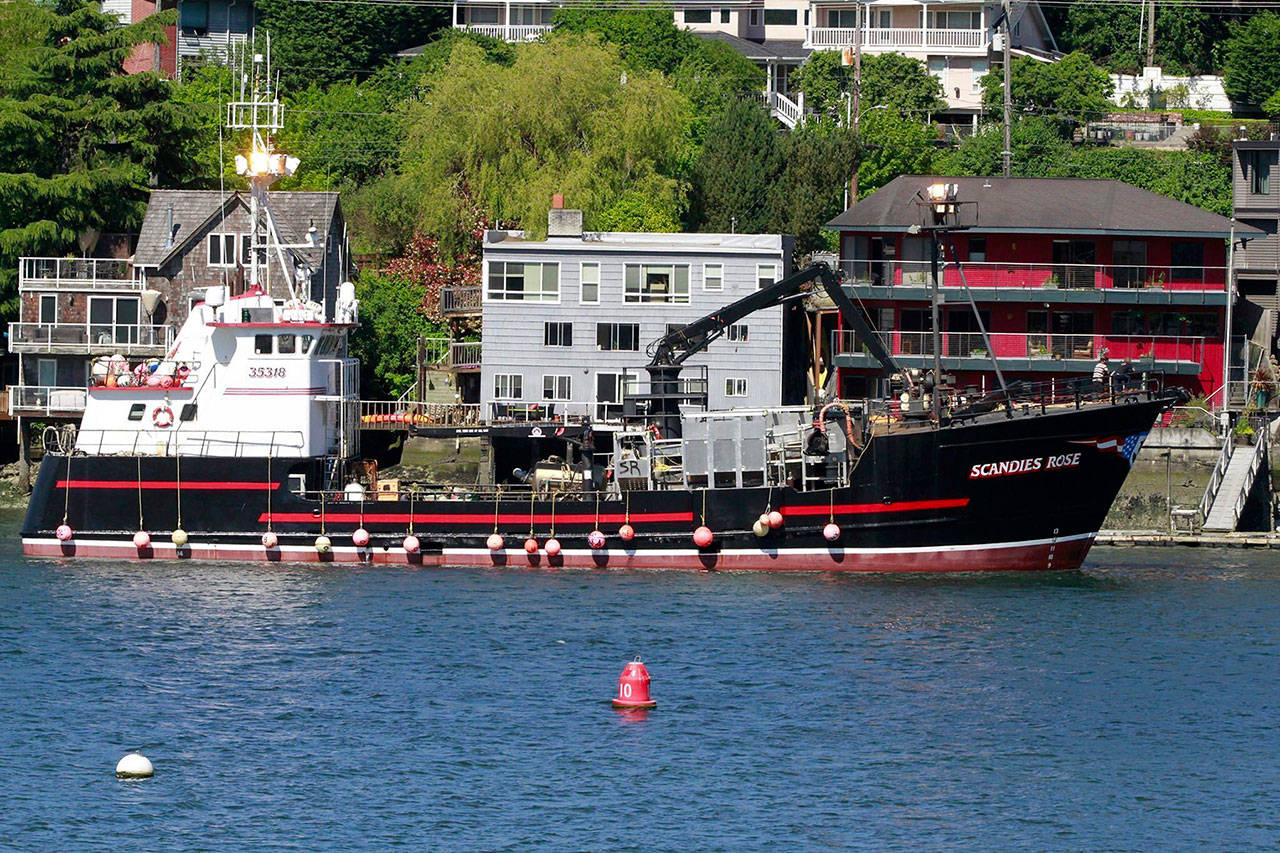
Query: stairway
x,y
1233,486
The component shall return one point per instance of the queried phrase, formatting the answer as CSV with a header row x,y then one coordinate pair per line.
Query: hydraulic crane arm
x,y
678,346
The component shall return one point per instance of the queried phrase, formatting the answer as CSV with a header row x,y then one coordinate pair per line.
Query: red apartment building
x,y
1061,270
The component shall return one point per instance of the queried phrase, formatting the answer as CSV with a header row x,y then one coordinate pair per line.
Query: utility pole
x,y
1142,24
1008,96
934,401
855,99
1151,35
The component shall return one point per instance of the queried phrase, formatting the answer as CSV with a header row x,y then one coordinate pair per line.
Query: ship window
x,y
188,412
262,344
136,411
307,341
286,344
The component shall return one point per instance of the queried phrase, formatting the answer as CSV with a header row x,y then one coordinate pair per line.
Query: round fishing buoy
x,y
135,765
702,537
63,532
142,539
633,688
831,532
626,533
269,540
323,545
179,537
775,520
494,542
531,545
760,528
360,537
411,544
552,547
595,539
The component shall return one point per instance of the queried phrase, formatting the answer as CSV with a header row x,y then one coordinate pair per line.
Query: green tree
x,y
735,171
1036,144
392,317
711,76
203,96
1251,71
888,79
80,141
647,38
634,211
502,139
1073,88
1108,32
892,145
817,161
326,42
346,135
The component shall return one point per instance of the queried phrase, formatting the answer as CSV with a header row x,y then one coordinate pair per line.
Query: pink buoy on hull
x,y
595,539
63,532
270,540
531,545
626,533
552,547
360,538
831,532
142,539
775,520
702,537
633,688
494,542
411,544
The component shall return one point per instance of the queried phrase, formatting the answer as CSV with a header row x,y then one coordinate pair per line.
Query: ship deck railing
x,y
199,443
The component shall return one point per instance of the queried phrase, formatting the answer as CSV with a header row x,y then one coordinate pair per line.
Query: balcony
x,y
77,274
1024,351
89,338
211,45
464,355
993,281
508,33
46,400
460,301
885,39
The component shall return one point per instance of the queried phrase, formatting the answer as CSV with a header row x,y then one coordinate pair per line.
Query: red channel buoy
x,y
633,688
702,537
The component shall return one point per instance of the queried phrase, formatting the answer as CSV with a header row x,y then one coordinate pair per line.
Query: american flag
x,y
1125,447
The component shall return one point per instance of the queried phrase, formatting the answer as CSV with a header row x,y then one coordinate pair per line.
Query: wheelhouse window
x,y
618,337
590,284
222,250
518,281
657,283
286,344
262,344
508,386
557,387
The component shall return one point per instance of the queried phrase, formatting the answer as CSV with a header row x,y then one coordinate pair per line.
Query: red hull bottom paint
x,y
1041,555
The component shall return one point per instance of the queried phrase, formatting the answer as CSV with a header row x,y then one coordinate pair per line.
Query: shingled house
x,y
75,309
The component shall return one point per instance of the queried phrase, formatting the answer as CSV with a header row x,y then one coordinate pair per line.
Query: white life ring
x,y
162,417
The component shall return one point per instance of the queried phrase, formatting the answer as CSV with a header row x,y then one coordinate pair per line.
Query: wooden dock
x,y
1151,538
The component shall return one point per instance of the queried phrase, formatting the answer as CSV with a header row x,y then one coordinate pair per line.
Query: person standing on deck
x,y
1101,371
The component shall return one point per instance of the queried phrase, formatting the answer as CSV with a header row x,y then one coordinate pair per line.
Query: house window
x,y
518,281
47,372
618,337
737,332
1077,258
657,283
557,334
1128,323
1257,170
193,17
735,386
590,279
753,18
724,16
779,17
222,250
113,319
955,20
844,19
673,328
979,71
766,274
697,16
713,277
1202,324
883,18
1130,258
978,249
48,309
482,14
508,386
1186,261
557,387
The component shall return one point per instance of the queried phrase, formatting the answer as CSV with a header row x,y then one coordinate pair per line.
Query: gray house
x,y
567,320
1255,192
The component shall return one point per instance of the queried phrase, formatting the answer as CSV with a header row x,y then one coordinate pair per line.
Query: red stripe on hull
x,y
508,518
168,484
860,509
1040,556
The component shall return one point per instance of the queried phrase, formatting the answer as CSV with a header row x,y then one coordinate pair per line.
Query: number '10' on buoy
x,y
633,688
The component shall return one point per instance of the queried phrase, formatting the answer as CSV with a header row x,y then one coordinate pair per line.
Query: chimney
x,y
561,222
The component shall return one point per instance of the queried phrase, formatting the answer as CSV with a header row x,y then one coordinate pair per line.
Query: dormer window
x,y
222,250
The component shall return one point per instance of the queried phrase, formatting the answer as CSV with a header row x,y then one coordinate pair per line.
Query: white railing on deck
x,y
1047,276
512,33
895,38
465,355
234,443
1138,349
789,112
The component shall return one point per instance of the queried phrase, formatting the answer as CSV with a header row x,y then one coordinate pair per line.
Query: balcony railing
x,y
77,274
89,338
897,38
460,300
1087,348
216,45
465,355
1040,276
47,400
512,33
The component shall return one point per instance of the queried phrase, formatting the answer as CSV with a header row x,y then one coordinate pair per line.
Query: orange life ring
x,y
162,417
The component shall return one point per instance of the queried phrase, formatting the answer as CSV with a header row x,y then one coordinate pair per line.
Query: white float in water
x,y
135,765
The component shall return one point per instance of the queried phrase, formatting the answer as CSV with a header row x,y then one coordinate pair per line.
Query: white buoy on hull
x,y
135,765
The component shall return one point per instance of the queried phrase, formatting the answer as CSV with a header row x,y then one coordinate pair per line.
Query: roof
x,y
763,51
1041,206
197,211
638,241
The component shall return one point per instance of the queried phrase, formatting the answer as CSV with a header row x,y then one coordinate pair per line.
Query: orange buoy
x,y
702,537
633,688
626,533
531,545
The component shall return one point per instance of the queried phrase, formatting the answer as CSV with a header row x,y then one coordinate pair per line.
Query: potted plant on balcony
x,y
1156,281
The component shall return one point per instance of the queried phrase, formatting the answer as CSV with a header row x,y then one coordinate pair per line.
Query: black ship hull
x,y
1023,493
